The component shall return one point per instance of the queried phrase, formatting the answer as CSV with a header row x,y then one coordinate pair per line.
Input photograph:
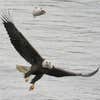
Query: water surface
x,y
68,35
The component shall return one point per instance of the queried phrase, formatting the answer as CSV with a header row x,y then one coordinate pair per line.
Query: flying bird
x,y
38,11
39,65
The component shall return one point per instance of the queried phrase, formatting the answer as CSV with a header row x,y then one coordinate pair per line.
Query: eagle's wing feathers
x,y
57,72
20,43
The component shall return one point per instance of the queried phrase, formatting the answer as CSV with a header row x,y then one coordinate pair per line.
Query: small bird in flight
x,y
38,11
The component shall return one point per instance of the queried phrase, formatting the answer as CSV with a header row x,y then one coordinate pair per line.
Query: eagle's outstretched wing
x,y
57,72
20,43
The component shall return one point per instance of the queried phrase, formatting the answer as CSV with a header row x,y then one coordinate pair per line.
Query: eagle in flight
x,y
39,65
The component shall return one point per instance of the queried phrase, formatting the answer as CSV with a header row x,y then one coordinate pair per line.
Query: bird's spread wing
x,y
20,43
60,73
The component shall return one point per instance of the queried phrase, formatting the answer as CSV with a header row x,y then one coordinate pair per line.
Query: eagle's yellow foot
x,y
31,87
26,79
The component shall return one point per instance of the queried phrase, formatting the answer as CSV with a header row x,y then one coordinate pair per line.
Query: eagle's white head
x,y
47,64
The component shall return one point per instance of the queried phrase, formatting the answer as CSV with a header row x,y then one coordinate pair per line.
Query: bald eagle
x,y
39,65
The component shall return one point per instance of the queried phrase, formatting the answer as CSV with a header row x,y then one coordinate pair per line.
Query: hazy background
x,y
68,35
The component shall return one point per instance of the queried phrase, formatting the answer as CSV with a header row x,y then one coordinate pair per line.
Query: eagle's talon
x,y
31,87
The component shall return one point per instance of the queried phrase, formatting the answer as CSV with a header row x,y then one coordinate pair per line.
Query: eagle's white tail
x,y
22,69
